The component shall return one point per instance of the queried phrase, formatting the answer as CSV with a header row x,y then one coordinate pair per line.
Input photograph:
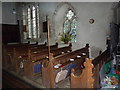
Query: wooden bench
x,y
89,77
8,51
25,53
39,57
98,62
49,72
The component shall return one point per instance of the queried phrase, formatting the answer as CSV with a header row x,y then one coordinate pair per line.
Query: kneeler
x,y
37,68
70,67
61,75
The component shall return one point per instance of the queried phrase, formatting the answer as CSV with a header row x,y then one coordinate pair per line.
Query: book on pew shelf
x,y
71,59
78,56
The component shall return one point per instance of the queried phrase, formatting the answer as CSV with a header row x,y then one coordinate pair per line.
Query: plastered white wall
x,y
7,16
47,8
95,34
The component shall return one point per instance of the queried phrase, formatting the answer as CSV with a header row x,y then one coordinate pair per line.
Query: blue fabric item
x,y
70,67
112,70
37,68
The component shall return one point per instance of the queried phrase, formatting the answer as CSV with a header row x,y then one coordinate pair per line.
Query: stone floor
x,y
37,81
62,84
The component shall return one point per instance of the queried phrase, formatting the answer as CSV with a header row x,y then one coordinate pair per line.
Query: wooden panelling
x,y
10,33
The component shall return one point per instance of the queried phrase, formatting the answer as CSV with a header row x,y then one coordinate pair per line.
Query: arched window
x,y
31,22
70,25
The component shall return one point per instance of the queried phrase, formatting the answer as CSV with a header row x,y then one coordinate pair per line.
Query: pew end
x,y
45,43
87,45
85,80
47,73
90,77
70,44
56,44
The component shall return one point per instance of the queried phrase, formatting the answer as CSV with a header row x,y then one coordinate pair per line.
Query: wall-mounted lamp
x,y
14,11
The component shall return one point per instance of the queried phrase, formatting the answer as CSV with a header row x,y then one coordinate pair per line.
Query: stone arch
x,y
56,11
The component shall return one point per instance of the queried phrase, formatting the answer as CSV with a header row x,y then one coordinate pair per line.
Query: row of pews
x,y
90,76
30,60
52,74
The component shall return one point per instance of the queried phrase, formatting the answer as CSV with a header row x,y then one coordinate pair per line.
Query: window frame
x,y
28,22
70,21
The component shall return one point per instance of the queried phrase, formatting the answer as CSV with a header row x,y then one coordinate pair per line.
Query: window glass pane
x,y
70,14
28,11
25,35
24,17
24,22
33,8
66,26
34,32
29,31
34,23
38,31
29,23
33,12
73,31
23,13
73,24
28,14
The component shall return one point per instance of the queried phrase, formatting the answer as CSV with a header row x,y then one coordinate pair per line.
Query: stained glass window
x,y
70,25
31,21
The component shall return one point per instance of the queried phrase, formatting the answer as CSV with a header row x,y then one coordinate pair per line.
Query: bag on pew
x,y
61,75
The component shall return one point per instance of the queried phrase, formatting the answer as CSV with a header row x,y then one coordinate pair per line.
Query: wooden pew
x,y
98,62
39,57
40,48
85,80
7,53
9,49
25,53
41,54
49,72
90,74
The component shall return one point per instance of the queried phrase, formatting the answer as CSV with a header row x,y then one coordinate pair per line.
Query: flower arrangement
x,y
65,38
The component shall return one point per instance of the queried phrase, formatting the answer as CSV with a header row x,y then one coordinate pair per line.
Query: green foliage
x,y
65,38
